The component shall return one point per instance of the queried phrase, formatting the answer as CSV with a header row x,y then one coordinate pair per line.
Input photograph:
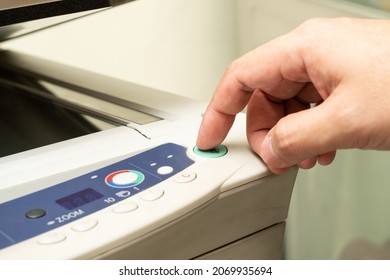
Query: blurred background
x,y
183,47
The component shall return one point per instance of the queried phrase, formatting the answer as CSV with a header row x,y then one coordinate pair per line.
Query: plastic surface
x,y
160,203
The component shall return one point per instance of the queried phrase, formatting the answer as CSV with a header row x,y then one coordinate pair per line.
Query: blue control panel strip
x,y
44,210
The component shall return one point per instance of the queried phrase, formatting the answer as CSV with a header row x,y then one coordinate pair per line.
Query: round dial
x,y
124,179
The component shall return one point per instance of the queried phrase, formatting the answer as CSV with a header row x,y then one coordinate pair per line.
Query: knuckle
x,y
282,143
318,25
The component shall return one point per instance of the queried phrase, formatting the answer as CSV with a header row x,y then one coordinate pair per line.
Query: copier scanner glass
x,y
35,112
94,167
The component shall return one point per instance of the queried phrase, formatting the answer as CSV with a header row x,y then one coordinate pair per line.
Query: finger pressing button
x,y
216,152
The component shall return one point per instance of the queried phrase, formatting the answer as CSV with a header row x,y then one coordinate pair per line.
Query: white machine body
x,y
138,190
124,222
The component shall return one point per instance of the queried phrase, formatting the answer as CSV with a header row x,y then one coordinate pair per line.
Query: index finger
x,y
275,69
229,99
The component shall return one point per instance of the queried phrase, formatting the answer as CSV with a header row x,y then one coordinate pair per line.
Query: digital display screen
x,y
78,199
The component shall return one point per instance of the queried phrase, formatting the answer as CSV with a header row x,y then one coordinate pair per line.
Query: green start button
x,y
216,152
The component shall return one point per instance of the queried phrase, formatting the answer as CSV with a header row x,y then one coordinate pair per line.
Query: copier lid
x,y
18,17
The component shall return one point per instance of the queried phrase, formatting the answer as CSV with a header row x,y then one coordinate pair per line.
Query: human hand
x,y
341,65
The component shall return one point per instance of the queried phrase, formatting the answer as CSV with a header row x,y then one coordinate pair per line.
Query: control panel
x,y
47,209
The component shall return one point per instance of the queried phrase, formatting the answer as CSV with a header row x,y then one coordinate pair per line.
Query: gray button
x,y
35,213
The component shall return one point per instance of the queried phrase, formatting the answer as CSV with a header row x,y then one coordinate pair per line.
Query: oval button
x,y
152,195
125,208
124,179
52,238
82,226
165,170
185,177
35,213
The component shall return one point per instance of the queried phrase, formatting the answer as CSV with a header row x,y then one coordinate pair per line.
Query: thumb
x,y
303,138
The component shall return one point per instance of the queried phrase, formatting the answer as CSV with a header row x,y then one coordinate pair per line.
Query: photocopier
x,y
93,167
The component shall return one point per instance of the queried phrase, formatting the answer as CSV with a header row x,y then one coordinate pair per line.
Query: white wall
x,y
261,20
331,206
